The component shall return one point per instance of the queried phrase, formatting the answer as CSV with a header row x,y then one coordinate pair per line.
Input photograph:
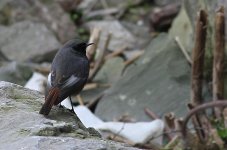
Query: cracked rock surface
x,y
22,127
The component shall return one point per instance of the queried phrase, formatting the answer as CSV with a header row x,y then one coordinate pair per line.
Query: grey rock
x,y
91,95
160,80
22,127
120,35
119,3
141,32
111,71
85,4
25,40
15,72
166,2
48,12
183,29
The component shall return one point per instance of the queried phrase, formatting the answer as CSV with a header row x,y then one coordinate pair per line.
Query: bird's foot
x,y
72,111
60,106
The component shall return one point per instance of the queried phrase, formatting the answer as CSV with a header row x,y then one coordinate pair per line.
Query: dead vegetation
x,y
205,123
203,131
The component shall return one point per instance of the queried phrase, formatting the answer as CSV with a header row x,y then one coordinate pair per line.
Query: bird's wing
x,y
63,82
69,82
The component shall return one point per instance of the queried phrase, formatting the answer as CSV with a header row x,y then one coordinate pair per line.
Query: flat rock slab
x,y
159,80
110,71
22,127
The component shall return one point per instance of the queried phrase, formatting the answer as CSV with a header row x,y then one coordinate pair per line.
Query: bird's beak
x,y
90,44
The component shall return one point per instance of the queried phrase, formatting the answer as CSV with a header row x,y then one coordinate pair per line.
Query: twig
x,y
94,38
116,52
197,71
170,120
102,12
118,133
90,86
218,61
154,116
175,131
196,122
179,124
225,117
100,60
119,139
186,55
150,113
135,57
198,59
202,107
80,100
172,144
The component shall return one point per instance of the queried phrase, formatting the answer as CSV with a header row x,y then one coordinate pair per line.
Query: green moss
x,y
24,132
5,14
222,131
6,108
48,131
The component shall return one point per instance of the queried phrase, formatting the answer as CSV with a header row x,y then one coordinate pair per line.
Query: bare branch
x,y
218,61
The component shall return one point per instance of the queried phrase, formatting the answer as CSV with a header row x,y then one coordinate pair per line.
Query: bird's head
x,y
77,45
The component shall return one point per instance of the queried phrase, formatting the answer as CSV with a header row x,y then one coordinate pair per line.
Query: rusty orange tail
x,y
49,101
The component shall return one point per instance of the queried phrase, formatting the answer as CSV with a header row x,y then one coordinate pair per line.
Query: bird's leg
x,y
60,106
72,110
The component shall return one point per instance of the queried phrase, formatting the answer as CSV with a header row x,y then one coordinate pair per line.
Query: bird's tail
x,y
51,98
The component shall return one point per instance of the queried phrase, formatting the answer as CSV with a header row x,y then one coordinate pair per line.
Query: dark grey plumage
x,y
69,73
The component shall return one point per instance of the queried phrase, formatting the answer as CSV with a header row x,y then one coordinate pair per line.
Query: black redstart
x,y
69,73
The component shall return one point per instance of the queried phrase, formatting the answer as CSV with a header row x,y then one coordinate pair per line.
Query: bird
x,y
68,75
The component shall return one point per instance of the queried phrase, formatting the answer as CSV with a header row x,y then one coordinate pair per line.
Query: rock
x,y
141,32
120,35
110,3
15,72
22,127
25,40
47,12
161,18
160,80
90,95
166,2
119,3
182,28
111,71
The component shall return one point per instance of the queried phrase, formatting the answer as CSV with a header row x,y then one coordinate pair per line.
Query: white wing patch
x,y
70,81
67,84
